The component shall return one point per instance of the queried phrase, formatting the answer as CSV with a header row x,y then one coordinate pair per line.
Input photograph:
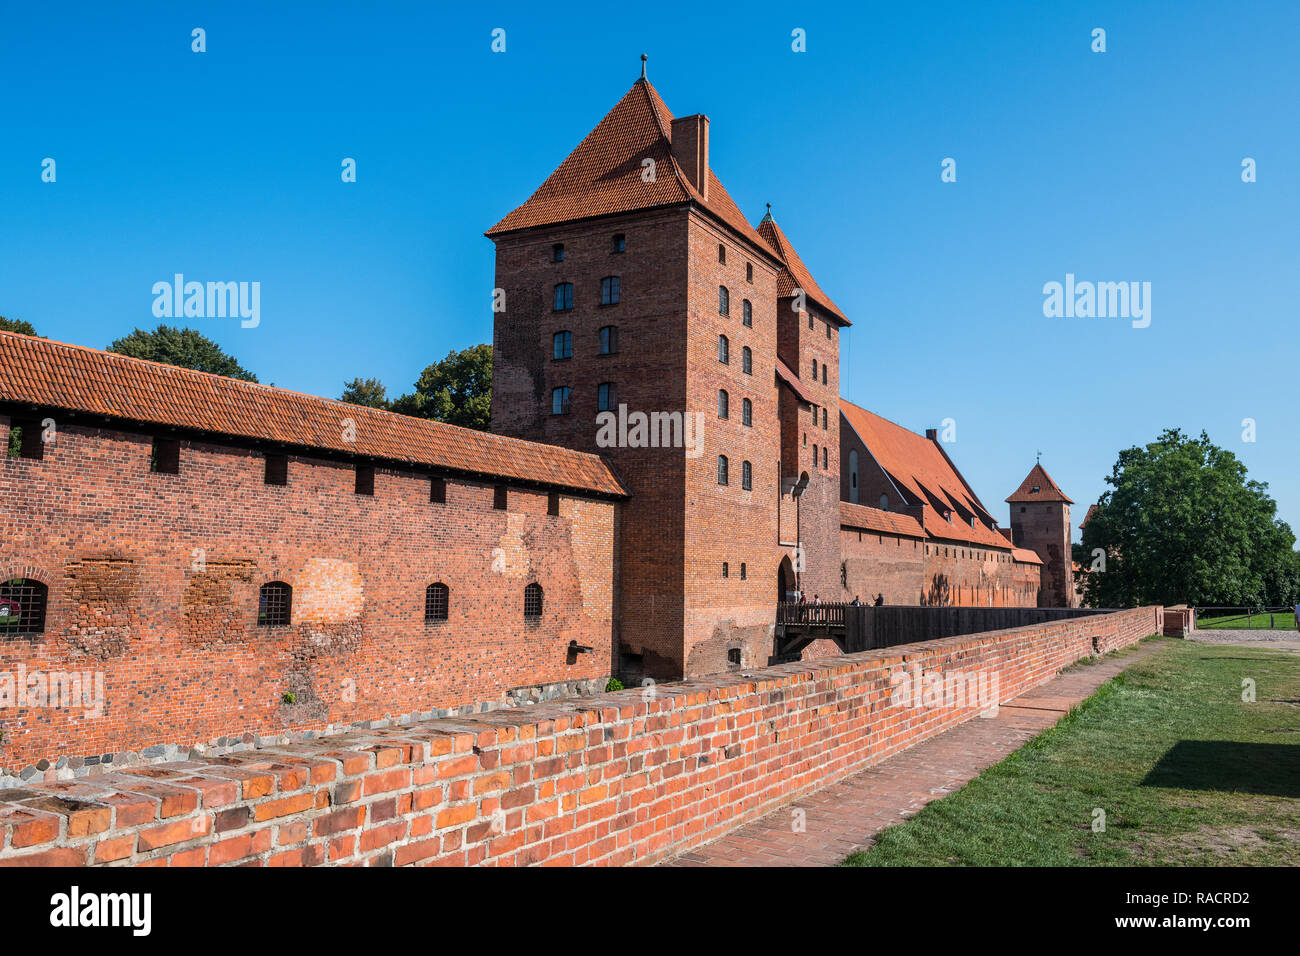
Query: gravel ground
x,y
1282,640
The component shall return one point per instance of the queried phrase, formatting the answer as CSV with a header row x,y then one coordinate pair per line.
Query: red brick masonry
x,y
629,777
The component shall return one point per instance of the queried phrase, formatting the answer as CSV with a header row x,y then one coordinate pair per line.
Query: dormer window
x,y
1034,490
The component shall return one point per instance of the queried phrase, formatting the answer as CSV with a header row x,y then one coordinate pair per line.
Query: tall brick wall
x,y
618,779
1044,528
153,581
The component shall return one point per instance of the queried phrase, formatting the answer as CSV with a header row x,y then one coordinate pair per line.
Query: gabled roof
x,y
915,464
795,275
1039,486
603,175
35,371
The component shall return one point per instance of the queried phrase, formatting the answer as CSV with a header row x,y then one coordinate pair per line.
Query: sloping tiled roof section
x,y
1092,510
924,473
70,377
873,519
784,374
795,275
1026,556
1047,488
602,176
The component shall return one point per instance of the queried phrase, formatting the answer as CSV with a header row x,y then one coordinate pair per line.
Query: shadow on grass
x,y
1226,765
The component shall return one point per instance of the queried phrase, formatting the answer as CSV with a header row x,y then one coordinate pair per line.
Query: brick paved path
x,y
847,815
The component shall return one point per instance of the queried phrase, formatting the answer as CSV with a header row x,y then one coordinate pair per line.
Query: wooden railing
x,y
810,615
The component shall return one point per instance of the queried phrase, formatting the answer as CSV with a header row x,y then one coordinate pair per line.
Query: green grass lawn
x,y
1277,621
1187,773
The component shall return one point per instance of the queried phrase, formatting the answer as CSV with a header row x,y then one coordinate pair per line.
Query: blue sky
x,y
1115,166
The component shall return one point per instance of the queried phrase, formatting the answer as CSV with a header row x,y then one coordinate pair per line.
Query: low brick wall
x,y
629,777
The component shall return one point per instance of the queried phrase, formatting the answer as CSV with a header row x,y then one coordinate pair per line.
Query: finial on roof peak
x,y
768,217
643,59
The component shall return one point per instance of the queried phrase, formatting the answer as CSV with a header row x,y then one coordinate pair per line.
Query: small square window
x,y
438,490
618,243
553,503
557,252
277,469
166,456
365,484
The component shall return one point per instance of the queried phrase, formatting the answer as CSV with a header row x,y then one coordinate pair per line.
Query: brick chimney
x,y
690,142
932,434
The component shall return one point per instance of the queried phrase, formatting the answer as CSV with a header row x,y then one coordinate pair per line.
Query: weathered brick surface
x,y
153,581
615,779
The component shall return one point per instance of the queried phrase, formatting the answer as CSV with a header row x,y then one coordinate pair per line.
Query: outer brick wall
x,y
614,779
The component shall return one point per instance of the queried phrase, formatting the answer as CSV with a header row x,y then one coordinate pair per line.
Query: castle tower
x,y
1040,521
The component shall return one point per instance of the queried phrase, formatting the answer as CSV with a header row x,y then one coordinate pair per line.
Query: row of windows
x,y
562,342
746,473
746,408
722,259
726,570
746,355
610,293
23,602
617,244
724,306
814,370
562,398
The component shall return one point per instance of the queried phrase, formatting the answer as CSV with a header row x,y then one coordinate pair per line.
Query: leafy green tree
x,y
17,325
457,390
366,391
184,347
1183,524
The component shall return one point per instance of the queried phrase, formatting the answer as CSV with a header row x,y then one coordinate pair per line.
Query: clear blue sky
x,y
1124,165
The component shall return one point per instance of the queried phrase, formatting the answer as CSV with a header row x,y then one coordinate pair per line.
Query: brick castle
x,y
669,459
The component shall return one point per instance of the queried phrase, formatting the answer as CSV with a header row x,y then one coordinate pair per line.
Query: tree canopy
x,y
183,347
17,325
1182,523
456,390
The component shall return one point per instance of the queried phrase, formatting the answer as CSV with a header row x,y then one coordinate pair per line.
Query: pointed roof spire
x,y
643,59
1039,486
768,217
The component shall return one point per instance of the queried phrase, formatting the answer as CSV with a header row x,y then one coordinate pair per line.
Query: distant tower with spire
x,y
1040,522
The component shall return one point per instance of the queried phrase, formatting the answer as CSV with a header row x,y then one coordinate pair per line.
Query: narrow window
x,y
722,469
747,361
828,330
810,320
553,503
274,604
722,253
438,490
165,459
25,438
853,476
825,457
609,290
557,252
724,300
749,272
560,401
747,312
814,454
744,573
726,571
500,497
563,345
277,469
533,602
618,243
823,373
746,484
724,350
365,484
823,416
609,340
724,404
606,397
22,606
437,598
746,412
564,297
814,361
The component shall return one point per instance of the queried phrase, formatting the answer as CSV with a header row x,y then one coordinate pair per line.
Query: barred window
x,y
437,598
533,601
724,300
564,297
609,290
722,469
562,345
724,350
746,412
22,607
747,483
747,361
274,604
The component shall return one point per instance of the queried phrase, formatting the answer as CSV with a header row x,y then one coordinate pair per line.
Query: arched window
x,y
564,297
722,469
826,456
853,476
724,350
747,312
814,361
22,606
747,361
724,300
724,405
437,598
274,604
747,483
533,602
746,412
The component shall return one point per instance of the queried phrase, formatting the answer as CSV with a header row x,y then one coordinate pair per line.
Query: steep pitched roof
x,y
40,372
913,462
795,275
1039,486
602,176
1092,510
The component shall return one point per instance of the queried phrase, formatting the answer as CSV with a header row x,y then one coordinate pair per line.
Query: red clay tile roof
x,y
873,519
1092,510
55,375
1025,556
936,526
1048,490
602,176
784,374
918,466
795,275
